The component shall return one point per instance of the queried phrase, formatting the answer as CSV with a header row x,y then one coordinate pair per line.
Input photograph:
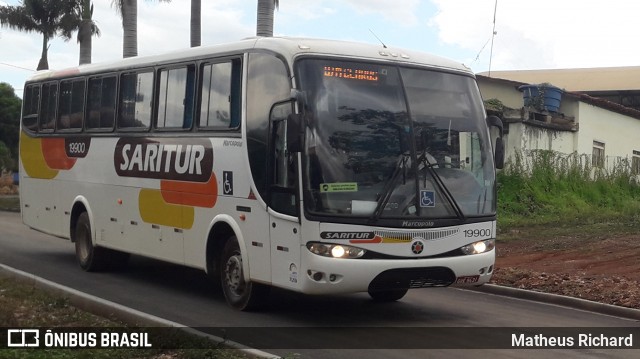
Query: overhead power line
x,y
17,67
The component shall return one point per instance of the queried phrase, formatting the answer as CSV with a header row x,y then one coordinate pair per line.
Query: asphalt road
x,y
187,296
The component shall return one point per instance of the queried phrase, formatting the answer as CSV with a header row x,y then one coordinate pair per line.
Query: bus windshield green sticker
x,y
339,187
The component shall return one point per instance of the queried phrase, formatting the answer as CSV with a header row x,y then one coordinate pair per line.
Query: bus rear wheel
x,y
384,296
240,294
90,257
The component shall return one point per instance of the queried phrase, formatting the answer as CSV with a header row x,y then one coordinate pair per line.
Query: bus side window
x,y
268,82
175,101
136,97
220,102
30,108
48,107
101,103
71,106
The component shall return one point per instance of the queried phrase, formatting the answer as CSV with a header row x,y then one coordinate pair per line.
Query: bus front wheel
x,y
388,295
90,257
240,294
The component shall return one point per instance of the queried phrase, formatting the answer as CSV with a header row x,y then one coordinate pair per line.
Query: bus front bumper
x,y
326,275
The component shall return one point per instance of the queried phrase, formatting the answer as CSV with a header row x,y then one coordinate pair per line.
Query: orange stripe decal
x,y
55,154
191,193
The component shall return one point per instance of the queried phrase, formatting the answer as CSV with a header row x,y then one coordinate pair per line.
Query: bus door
x,y
284,227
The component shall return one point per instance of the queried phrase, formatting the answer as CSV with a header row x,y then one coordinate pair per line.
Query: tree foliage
x,y
10,105
47,17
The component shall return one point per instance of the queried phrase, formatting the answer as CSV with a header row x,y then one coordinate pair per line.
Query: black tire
x,y
385,296
240,295
90,257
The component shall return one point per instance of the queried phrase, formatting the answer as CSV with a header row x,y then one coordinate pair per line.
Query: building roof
x,y
578,80
595,101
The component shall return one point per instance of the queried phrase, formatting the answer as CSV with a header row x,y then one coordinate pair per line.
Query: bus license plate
x,y
468,279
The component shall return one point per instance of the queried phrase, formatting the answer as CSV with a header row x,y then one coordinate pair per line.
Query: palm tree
x,y
48,17
196,29
129,11
86,29
265,17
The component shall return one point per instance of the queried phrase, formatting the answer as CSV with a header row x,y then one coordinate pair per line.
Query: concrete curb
x,y
576,303
108,309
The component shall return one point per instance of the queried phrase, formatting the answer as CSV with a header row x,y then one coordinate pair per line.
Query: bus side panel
x,y
39,210
234,198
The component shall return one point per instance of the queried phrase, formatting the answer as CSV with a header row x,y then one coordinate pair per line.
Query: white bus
x,y
311,165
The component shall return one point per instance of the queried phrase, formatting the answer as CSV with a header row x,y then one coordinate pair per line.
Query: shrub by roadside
x,y
6,185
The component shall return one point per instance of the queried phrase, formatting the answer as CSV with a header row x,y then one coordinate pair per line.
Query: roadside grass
x,y
24,306
555,193
9,203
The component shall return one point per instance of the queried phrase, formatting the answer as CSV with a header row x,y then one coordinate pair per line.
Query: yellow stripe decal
x,y
153,209
32,158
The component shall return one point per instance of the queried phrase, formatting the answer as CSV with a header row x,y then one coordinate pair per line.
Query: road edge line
x,y
108,309
566,301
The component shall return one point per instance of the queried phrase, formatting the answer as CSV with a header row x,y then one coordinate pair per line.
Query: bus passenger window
x,y
101,103
175,102
135,100
220,95
48,107
71,106
30,108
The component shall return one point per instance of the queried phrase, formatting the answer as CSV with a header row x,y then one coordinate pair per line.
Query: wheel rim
x,y
83,248
233,275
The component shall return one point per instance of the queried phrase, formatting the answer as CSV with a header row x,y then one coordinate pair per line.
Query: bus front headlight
x,y
479,247
335,250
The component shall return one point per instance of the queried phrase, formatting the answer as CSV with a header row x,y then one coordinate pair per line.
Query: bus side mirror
x,y
494,121
294,136
499,155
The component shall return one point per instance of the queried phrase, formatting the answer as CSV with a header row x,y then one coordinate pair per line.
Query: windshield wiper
x,y
401,166
440,183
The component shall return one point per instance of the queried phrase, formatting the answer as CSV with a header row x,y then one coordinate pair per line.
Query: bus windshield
x,y
385,141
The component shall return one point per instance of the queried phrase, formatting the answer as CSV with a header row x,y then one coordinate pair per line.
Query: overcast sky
x,y
531,34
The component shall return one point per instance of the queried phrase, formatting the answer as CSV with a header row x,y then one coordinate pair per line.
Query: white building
x,y
583,124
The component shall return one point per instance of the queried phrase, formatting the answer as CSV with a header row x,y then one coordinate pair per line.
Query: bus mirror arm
x,y
495,121
294,135
299,96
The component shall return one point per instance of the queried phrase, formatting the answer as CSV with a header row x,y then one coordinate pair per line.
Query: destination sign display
x,y
352,73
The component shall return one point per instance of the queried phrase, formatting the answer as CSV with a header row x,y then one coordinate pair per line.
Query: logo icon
x,y
23,338
227,177
417,247
427,198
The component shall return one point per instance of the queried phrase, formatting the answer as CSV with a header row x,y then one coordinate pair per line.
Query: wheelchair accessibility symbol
x,y
427,198
227,182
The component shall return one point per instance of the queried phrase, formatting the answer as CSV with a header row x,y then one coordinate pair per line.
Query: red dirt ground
x,y
603,268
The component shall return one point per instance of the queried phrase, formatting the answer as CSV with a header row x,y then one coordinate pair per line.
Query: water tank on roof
x,y
544,97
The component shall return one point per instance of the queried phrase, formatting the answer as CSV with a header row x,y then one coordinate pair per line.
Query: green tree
x,y
10,105
128,9
47,17
264,25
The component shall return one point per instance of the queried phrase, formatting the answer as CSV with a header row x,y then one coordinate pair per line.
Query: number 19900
x,y
485,232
